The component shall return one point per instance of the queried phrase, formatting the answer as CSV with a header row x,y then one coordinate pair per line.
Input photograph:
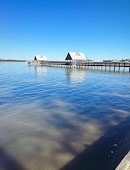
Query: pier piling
x,y
89,65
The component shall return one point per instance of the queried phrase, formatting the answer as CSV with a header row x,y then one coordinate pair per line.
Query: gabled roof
x,y
76,56
41,58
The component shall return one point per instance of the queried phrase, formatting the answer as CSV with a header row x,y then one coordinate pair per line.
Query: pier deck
x,y
99,65
125,163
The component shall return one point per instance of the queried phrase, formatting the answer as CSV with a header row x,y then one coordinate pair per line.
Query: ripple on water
x,y
48,116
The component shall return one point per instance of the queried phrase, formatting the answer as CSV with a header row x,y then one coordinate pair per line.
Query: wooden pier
x,y
125,163
106,66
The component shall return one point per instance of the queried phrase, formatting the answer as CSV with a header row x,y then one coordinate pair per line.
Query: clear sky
x,y
99,28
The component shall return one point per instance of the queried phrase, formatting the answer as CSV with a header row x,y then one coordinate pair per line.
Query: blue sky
x,y
100,29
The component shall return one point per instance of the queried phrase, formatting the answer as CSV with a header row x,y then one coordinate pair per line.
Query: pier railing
x,y
98,65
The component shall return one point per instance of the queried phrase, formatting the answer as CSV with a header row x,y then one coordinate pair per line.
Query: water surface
x,y
62,118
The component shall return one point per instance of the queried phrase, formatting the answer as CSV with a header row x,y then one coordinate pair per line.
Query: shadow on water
x,y
106,153
7,162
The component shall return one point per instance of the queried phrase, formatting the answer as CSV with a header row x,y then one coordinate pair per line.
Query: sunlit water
x,y
50,116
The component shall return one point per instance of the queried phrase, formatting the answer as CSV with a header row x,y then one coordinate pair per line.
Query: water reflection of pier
x,y
75,75
41,70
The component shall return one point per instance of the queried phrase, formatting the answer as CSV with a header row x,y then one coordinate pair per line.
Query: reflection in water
x,y
114,94
75,75
41,138
36,137
46,124
41,70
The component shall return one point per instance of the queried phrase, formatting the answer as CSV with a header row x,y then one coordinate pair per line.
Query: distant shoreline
x,y
12,60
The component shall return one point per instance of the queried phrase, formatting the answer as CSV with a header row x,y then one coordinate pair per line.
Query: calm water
x,y
62,118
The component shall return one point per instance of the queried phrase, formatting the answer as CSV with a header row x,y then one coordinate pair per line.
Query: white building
x,y
76,56
40,58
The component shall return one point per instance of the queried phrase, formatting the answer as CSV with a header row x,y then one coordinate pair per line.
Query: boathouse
x,y
76,57
40,58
